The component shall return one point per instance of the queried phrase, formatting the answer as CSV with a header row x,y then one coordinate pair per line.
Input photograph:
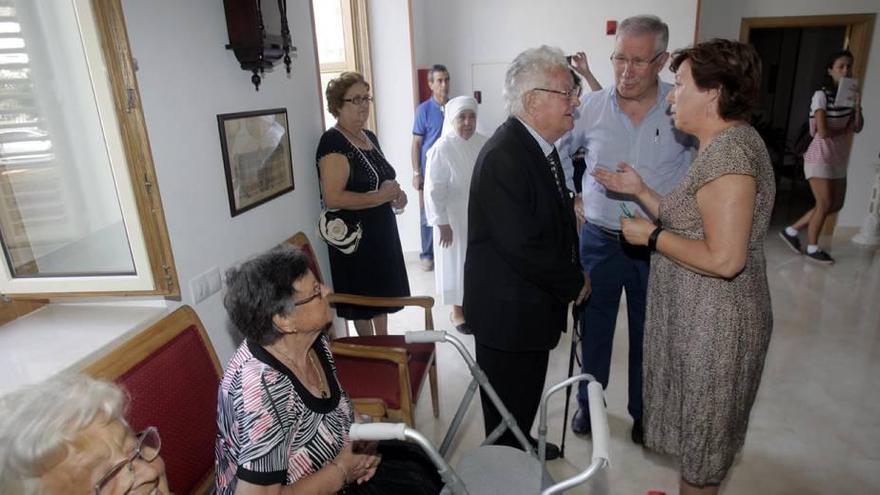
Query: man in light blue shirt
x,y
625,123
427,127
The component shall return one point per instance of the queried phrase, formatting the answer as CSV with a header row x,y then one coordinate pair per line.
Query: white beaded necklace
x,y
364,137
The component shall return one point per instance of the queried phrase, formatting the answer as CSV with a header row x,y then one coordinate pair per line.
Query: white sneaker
x,y
426,264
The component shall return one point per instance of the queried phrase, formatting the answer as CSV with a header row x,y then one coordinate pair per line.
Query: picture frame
x,y
256,157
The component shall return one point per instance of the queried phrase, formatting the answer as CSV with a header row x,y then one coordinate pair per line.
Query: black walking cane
x,y
576,310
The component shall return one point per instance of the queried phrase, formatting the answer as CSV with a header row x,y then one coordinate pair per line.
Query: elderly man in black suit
x,y
521,267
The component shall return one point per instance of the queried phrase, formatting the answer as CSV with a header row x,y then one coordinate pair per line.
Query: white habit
x,y
448,173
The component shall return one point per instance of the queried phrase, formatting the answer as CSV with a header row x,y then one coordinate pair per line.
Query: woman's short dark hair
x,y
261,288
337,88
827,80
730,66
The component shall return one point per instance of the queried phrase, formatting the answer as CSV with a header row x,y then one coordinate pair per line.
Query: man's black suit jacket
x,y
521,268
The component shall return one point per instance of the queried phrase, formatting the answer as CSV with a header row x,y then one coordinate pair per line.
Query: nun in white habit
x,y
450,165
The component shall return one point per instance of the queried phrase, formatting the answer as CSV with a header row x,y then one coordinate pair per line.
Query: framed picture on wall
x,y
256,157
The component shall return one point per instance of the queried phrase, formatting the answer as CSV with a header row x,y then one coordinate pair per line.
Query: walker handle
x,y
425,337
598,421
377,431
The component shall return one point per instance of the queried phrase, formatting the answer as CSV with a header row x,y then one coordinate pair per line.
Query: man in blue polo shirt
x,y
628,122
426,129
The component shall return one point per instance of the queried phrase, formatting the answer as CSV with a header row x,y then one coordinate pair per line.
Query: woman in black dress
x,y
357,181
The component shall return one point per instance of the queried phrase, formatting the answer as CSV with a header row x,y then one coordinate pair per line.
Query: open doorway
x,y
793,60
793,53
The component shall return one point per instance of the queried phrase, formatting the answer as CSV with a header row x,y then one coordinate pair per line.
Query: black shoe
x,y
464,329
820,257
638,433
791,241
580,422
550,453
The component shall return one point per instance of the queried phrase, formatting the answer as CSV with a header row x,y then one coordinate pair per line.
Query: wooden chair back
x,y
382,374
172,374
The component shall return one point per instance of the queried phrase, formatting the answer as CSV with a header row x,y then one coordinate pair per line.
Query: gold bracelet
x,y
341,471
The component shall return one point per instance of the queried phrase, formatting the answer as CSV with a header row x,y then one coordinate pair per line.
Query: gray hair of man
x,y
529,70
38,423
436,68
640,25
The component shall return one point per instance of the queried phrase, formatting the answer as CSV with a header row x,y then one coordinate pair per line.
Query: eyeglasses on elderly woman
x,y
359,100
121,476
317,291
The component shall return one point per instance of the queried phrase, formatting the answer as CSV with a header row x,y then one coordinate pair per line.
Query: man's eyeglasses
x,y
635,63
574,92
359,100
121,475
316,293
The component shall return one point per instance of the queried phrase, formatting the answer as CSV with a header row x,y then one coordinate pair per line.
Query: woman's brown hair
x,y
730,66
337,88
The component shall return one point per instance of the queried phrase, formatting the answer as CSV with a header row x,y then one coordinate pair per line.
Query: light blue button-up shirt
x,y
660,153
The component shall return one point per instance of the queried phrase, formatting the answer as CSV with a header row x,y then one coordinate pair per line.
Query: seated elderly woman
x,y
68,436
283,417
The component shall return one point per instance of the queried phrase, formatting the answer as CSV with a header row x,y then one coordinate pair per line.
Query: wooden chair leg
x,y
408,416
435,400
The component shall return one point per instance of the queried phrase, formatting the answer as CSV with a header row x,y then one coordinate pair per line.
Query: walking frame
x,y
493,469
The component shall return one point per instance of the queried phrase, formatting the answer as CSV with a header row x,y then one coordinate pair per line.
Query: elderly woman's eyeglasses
x,y
635,63
359,100
121,475
317,292
574,92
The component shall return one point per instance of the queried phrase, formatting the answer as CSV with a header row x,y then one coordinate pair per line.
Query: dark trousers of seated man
x,y
518,378
614,266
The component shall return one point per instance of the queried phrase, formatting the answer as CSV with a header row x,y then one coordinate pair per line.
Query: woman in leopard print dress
x,y
709,317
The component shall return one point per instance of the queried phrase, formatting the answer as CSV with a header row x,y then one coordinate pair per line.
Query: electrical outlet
x,y
214,282
197,289
204,285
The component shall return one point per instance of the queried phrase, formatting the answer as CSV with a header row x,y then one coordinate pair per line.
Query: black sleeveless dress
x,y
376,268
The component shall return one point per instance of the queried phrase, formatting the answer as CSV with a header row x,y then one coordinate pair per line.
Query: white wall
x,y
476,40
393,88
463,33
186,78
722,19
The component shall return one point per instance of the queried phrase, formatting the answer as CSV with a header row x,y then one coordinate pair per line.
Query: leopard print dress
x,y
706,337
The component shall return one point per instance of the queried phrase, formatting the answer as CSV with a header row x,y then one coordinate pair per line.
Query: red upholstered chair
x,y
382,374
171,372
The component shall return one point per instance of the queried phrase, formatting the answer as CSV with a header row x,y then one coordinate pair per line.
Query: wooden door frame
x,y
857,40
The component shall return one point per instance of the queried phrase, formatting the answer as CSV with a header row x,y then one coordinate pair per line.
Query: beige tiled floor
x,y
814,428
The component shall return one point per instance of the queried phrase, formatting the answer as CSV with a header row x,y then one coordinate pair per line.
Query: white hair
x,y
39,422
529,70
640,25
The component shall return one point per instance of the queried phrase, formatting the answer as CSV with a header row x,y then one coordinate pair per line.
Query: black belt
x,y
616,235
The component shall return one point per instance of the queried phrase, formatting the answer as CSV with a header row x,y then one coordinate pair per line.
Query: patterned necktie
x,y
556,170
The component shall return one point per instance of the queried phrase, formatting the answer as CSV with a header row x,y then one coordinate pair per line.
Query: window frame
x,y
356,34
158,268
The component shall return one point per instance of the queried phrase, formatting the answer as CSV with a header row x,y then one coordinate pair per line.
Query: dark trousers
x,y
518,377
614,266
